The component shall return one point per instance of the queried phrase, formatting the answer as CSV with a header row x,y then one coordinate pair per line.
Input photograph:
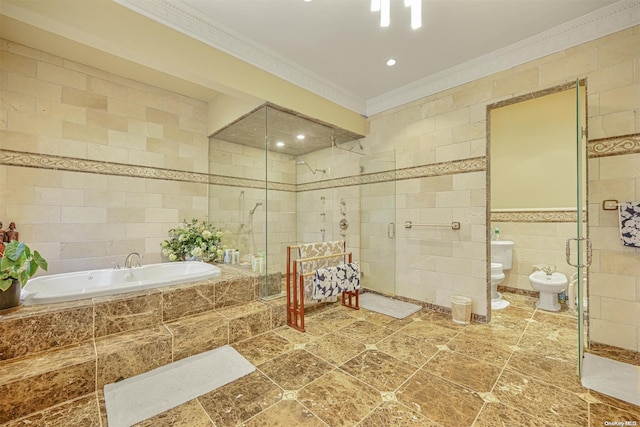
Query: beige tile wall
x,y
535,243
56,107
451,125
614,276
86,220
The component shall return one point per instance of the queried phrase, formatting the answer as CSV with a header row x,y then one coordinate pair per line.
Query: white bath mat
x,y
143,396
389,306
610,377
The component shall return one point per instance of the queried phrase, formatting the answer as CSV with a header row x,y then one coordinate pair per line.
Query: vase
x,y
11,297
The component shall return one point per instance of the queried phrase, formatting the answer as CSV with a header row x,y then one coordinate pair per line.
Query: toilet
x,y
549,286
501,260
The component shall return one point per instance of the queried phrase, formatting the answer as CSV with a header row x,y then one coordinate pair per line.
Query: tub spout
x,y
127,261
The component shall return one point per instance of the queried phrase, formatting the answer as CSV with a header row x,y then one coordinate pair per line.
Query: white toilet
x,y
501,259
549,285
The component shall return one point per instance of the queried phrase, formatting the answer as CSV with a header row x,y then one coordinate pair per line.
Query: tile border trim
x,y
71,164
614,146
535,216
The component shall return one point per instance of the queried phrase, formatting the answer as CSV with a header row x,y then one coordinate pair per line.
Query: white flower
x,y
197,251
207,234
172,257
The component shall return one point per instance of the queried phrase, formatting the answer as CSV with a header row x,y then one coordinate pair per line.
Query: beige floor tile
x,y
283,413
335,348
544,401
379,370
397,415
264,347
463,370
440,400
339,399
240,400
295,369
408,349
499,415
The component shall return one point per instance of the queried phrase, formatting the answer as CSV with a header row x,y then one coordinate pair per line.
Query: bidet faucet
x,y
127,261
548,269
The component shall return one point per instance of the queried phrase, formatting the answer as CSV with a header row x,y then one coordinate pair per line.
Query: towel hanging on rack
x,y
630,223
331,281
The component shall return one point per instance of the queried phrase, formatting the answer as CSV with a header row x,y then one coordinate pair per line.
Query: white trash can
x,y
461,309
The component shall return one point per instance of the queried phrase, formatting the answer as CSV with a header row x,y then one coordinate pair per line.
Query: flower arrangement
x,y
195,239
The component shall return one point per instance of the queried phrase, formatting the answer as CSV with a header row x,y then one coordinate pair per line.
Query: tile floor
x,y
359,368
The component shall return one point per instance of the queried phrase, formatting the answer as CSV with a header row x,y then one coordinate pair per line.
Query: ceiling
x,y
268,125
336,47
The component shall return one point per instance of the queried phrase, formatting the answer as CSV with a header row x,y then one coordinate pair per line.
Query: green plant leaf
x,y
42,263
14,250
23,277
5,284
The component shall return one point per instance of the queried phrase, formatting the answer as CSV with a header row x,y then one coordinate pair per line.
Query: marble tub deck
x,y
359,368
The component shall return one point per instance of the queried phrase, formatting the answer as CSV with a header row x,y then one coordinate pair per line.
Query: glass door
x,y
578,249
378,223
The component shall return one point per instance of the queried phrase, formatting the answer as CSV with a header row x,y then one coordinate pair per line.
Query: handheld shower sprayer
x,y
313,171
252,211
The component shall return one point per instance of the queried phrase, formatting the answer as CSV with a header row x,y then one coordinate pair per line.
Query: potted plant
x,y
194,240
17,266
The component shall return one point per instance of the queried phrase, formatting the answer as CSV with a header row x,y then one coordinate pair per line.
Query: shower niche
x,y
271,185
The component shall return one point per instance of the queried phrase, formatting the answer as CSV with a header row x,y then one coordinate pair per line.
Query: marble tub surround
x,y
518,370
51,354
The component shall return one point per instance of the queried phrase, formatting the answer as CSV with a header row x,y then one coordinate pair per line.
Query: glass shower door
x,y
578,249
378,223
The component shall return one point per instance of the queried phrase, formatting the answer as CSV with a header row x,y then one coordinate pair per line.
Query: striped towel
x,y
331,281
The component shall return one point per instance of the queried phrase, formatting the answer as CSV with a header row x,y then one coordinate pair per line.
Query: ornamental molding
x,y
615,146
71,164
536,216
45,161
182,17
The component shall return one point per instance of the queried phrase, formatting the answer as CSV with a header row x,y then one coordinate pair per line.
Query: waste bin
x,y
461,309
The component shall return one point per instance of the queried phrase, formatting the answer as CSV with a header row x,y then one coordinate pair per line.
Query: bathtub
x,y
88,284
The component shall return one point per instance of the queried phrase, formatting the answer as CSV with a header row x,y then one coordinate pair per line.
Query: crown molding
x,y
181,17
615,17
187,20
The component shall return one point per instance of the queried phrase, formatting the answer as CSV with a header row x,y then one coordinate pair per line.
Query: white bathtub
x,y
88,284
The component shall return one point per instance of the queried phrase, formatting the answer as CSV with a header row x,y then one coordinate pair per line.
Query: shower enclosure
x,y
272,186
378,223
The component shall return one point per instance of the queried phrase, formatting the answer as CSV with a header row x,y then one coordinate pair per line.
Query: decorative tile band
x,y
536,216
475,164
616,146
46,161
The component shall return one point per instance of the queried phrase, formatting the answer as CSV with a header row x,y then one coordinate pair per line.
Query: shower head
x,y
252,211
313,171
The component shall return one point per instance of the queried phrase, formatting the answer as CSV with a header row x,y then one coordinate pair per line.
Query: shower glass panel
x,y
259,169
238,183
583,247
378,223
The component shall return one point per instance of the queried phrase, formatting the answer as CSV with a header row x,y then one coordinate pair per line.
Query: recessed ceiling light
x,y
391,62
300,137
279,144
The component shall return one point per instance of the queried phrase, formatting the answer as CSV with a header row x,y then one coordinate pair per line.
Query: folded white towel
x,y
332,281
630,223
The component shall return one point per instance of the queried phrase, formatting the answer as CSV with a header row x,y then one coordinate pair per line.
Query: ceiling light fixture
x,y
384,7
300,137
280,144
391,62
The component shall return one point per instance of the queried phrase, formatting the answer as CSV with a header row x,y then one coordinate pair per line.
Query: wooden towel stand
x,y
295,287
